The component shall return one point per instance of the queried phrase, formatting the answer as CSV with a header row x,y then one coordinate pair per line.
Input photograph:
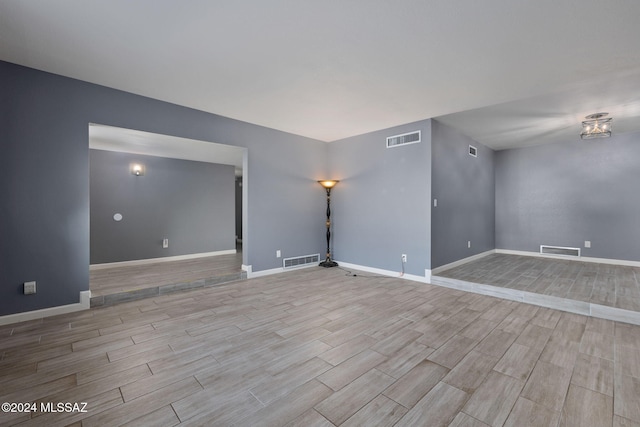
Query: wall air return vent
x,y
404,139
473,151
301,261
559,250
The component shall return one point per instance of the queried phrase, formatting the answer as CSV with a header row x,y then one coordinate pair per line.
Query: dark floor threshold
x,y
155,291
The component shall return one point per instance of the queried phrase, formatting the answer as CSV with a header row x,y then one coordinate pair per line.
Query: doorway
x,y
132,253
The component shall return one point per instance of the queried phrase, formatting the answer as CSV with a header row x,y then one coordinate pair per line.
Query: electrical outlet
x,y
435,203
165,243
29,288
278,253
469,244
404,257
587,243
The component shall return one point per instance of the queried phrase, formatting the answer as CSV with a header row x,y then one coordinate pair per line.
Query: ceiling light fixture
x,y
596,126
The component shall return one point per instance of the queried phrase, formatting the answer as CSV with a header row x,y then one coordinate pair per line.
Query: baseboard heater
x,y
559,250
300,261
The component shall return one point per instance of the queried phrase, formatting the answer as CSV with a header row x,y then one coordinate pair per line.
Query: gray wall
x,y
563,194
465,189
380,208
44,180
190,203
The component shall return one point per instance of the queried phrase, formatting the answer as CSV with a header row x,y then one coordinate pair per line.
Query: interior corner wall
x,y
192,204
44,180
464,187
567,193
380,208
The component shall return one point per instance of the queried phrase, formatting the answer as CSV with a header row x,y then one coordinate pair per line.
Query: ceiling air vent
x,y
559,250
301,261
404,139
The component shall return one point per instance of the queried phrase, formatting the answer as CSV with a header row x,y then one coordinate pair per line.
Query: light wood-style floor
x,y
115,284
314,347
605,284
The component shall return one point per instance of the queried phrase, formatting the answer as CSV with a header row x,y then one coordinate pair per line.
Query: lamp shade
x,y
328,183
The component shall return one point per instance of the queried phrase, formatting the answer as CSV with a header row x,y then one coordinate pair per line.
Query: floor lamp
x,y
328,185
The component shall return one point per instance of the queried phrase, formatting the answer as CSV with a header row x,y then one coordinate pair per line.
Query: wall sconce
x,y
137,169
328,184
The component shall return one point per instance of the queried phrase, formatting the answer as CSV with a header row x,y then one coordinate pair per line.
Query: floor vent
x,y
559,250
404,139
300,261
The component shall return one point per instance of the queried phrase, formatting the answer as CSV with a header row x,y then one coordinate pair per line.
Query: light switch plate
x,y
29,288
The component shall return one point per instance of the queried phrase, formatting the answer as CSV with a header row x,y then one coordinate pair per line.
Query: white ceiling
x,y
505,72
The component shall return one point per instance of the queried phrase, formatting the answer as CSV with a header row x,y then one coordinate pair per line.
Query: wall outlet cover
x,y
29,288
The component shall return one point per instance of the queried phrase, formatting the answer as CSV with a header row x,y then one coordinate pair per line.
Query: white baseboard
x,y
572,258
251,274
462,261
422,279
84,304
162,259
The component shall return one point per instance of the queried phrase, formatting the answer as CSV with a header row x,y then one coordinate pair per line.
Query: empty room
x,y
361,213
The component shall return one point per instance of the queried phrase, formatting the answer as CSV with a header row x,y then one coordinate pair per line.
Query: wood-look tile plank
x,y
381,412
342,404
439,407
453,351
547,385
528,413
478,329
492,401
412,386
212,406
300,355
344,373
95,404
534,336
627,397
284,382
624,422
311,418
396,341
160,417
597,344
518,361
348,349
586,407
496,343
129,411
160,380
404,359
471,371
560,352
627,360
594,373
289,407
464,420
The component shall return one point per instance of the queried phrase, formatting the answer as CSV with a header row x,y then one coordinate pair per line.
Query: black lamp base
x,y
328,263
